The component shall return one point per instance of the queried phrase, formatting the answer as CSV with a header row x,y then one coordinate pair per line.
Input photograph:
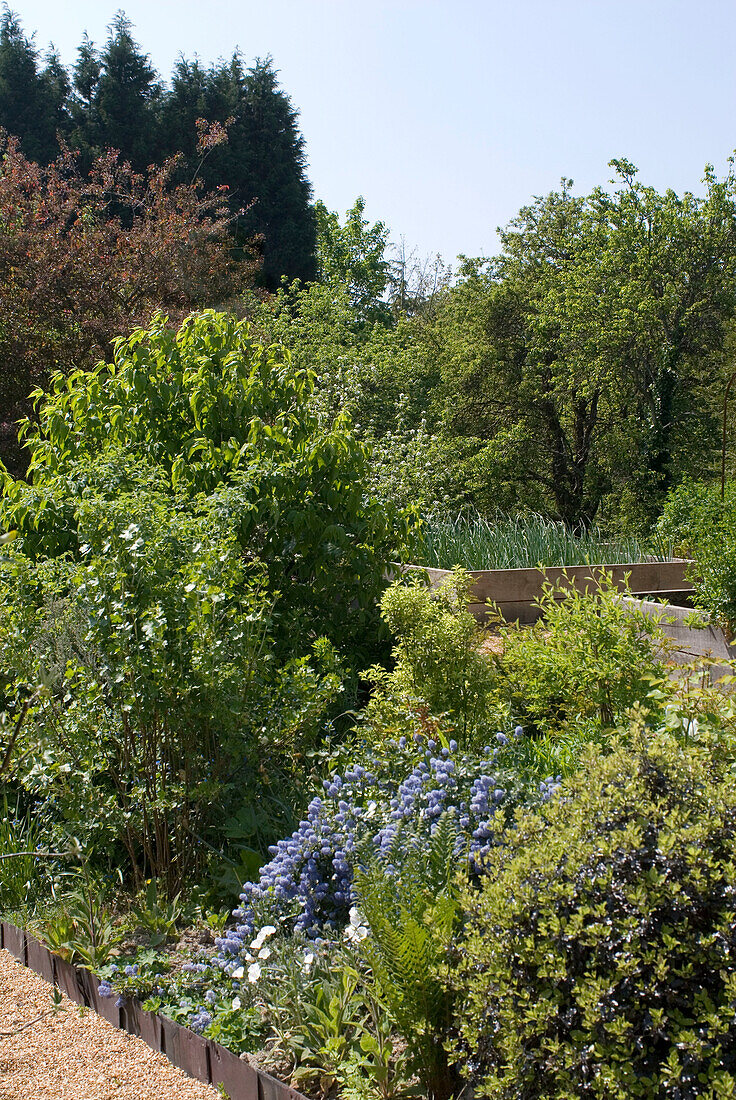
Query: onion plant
x,y
524,541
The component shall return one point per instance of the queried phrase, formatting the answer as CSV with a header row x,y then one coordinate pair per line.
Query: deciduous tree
x,y
85,258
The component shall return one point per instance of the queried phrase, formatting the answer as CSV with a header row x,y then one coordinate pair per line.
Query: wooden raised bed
x,y
201,1058
514,591
689,642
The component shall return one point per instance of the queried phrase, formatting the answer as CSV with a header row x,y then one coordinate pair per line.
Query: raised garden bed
x,y
514,591
689,642
201,1058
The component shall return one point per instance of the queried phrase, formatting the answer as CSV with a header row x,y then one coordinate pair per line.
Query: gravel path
x,y
74,1054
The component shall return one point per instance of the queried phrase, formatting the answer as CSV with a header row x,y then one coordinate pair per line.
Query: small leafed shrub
x,y
589,657
439,663
702,526
600,952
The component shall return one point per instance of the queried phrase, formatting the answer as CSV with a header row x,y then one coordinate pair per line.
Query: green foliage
x,y
352,256
703,526
598,960
522,541
156,913
82,927
439,666
589,657
23,878
410,902
594,336
209,411
157,679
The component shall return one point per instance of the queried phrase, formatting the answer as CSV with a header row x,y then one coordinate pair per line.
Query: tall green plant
x,y
439,665
211,413
410,902
589,657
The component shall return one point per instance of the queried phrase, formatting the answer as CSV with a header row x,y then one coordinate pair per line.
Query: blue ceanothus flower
x,y
307,886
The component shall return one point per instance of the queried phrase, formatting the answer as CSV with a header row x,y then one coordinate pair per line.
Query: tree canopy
x,y
114,99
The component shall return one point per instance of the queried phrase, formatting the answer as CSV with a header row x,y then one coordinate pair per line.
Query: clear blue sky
x,y
448,117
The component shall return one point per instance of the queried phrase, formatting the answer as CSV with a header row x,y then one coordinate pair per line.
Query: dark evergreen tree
x,y
117,97
117,101
275,177
33,102
87,72
263,163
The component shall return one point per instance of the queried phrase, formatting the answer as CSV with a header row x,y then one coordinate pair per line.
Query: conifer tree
x,y
117,97
32,101
275,176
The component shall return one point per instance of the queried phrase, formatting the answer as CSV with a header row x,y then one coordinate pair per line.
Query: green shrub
x,y
157,706
600,958
588,658
215,419
440,669
703,526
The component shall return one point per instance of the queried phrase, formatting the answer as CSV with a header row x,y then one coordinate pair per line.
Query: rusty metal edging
x,y
201,1058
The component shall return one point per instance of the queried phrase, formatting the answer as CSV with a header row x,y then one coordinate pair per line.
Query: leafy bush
x,y
439,666
589,657
220,422
599,959
703,526
151,649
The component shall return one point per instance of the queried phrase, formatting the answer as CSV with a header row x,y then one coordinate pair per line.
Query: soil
x,y
71,1053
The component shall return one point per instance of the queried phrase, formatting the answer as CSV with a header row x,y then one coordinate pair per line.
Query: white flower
x,y
265,932
237,1003
356,930
355,933
254,972
238,972
264,953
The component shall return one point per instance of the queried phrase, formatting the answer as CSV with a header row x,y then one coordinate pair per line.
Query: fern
x,y
411,914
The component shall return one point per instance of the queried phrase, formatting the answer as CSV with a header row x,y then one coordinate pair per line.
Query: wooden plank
x,y
39,958
514,591
14,941
238,1079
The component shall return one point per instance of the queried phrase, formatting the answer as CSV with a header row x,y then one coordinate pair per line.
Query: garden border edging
x,y
514,591
203,1059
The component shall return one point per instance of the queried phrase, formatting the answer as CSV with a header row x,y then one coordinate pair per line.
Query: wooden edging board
x,y
514,591
689,642
201,1058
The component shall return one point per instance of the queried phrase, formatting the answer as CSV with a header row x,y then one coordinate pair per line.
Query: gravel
x,y
73,1054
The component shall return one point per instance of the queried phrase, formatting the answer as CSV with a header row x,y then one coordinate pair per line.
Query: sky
x,y
449,116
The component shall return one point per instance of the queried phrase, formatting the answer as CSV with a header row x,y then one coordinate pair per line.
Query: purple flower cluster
x,y
200,1020
549,787
369,812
